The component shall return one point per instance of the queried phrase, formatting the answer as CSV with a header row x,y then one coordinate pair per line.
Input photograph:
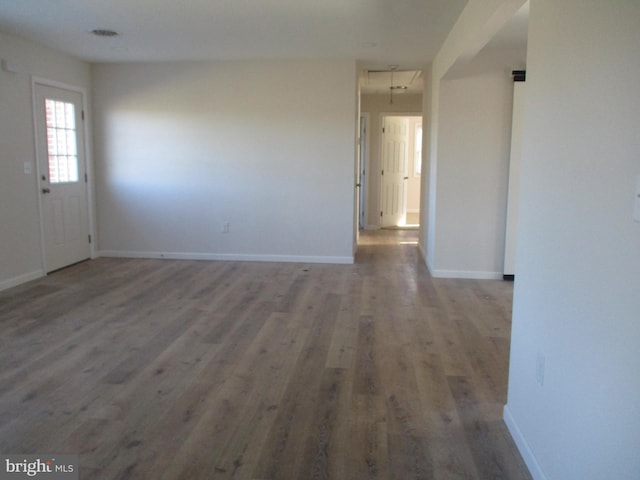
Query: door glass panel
x,y
62,150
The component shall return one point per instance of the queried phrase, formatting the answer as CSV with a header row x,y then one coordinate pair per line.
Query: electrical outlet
x,y
540,365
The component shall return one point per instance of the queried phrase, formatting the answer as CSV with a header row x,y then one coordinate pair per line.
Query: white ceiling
x,y
506,51
514,33
407,33
378,82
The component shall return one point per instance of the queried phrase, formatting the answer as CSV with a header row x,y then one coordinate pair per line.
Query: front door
x,y
61,176
395,141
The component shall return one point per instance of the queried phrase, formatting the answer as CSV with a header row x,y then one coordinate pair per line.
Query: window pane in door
x,y
62,150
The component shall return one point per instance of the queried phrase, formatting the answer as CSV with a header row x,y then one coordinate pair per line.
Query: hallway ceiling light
x,y
395,81
393,68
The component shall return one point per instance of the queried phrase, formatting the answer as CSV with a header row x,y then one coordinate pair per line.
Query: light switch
x,y
27,168
636,204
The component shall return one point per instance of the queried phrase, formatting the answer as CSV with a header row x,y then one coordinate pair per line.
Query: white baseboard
x,y
20,279
229,257
472,274
527,455
372,227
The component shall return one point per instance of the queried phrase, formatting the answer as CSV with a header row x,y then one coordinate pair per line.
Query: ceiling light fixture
x,y
104,32
396,89
393,68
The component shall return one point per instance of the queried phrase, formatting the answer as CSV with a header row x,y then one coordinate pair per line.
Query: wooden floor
x,y
161,369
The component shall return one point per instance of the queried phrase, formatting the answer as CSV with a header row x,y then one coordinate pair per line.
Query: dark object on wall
x,y
519,75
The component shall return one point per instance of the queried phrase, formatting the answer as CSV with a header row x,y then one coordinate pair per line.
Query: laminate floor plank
x,y
451,456
196,370
281,455
483,436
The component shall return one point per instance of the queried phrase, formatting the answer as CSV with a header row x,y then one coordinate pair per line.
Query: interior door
x,y
61,176
395,140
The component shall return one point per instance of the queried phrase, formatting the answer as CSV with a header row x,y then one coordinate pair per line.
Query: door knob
x,y
46,190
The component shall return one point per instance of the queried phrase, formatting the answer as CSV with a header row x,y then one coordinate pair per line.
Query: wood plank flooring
x,y
161,369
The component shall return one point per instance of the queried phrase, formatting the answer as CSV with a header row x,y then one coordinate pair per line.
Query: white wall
x,y
513,190
478,23
269,147
376,106
20,247
428,187
473,165
576,301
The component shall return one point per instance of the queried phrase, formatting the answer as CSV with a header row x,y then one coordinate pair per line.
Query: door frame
x,y
364,172
384,115
89,185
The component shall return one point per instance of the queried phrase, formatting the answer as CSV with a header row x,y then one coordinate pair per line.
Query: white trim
x,y
471,274
34,113
88,160
364,185
52,83
20,279
239,257
527,455
372,227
